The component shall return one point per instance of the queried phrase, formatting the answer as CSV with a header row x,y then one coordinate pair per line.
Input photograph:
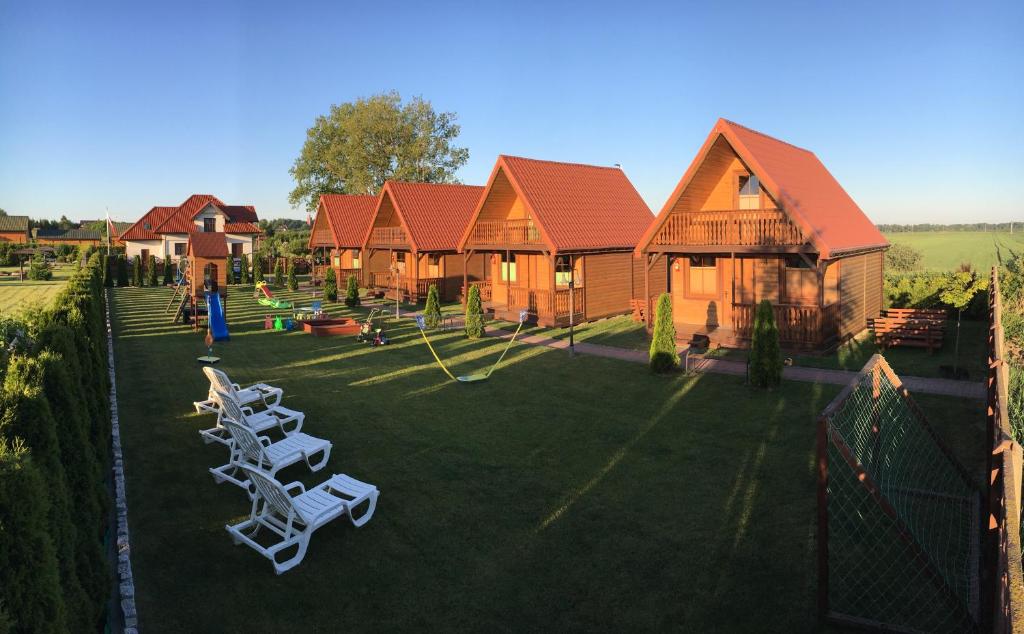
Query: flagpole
x,y
108,231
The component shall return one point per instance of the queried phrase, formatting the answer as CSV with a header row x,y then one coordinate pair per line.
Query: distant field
x,y
16,296
945,250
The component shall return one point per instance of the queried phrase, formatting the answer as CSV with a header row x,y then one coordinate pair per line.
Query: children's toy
x,y
208,357
268,323
203,284
265,297
278,324
366,329
469,378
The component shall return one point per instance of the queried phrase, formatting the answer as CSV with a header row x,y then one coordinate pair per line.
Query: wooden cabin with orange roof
x,y
337,233
756,218
413,240
547,229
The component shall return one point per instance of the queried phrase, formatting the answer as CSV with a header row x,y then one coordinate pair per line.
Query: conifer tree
x,y
663,354
330,285
137,271
765,353
293,282
432,311
352,292
474,314
152,275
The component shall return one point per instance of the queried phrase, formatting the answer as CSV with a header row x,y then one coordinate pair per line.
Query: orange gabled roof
x,y
241,227
208,245
182,220
434,215
143,228
799,183
348,216
576,206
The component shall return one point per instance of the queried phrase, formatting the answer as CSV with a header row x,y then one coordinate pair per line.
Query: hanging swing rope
x,y
469,378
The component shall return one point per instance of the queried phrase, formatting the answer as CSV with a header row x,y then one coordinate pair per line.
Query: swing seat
x,y
473,378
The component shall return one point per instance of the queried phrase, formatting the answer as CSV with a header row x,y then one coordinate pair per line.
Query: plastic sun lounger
x,y
256,393
294,518
289,421
258,452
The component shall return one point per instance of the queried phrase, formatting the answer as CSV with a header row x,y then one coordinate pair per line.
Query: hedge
x,y
54,453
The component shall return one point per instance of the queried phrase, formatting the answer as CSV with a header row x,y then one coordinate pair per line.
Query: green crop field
x,y
945,250
17,296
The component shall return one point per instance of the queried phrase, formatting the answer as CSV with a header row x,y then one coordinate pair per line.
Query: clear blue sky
x,y
917,108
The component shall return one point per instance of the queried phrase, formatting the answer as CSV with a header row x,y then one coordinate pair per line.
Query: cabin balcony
x,y
388,237
505,233
404,287
543,306
738,229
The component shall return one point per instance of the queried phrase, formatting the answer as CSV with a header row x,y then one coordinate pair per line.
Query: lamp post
x,y
572,310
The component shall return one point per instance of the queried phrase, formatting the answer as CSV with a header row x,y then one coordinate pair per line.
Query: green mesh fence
x,y
902,533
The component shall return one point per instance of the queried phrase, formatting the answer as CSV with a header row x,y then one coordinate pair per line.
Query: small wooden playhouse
x,y
207,272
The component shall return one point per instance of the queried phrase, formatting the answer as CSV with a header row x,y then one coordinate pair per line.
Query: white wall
x,y
135,247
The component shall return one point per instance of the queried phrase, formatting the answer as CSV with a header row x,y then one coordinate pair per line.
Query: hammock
x,y
469,378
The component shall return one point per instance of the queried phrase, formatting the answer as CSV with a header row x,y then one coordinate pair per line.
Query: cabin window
x,y
400,262
337,262
209,225
433,265
801,280
179,248
508,268
567,269
236,249
797,262
702,276
749,191
355,259
210,277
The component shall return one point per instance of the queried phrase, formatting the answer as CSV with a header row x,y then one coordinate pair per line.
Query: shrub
x,y
352,292
38,269
136,271
474,314
432,311
246,278
765,353
330,285
122,270
663,354
229,270
903,257
168,271
153,278
27,415
29,584
257,269
293,283
108,277
278,273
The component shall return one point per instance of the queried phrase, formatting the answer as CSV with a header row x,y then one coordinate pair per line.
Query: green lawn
x,y
563,494
17,296
946,250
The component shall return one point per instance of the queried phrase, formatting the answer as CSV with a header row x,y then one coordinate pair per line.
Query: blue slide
x,y
215,312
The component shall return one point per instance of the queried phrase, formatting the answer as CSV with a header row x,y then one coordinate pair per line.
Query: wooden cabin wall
x,y
322,236
657,280
386,214
379,261
711,310
608,283
453,265
860,292
502,203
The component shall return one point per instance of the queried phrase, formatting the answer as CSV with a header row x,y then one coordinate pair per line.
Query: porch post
x,y
647,291
507,266
554,288
820,271
414,288
465,278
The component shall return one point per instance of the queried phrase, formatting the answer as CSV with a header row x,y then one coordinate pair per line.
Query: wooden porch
x,y
504,234
408,288
544,307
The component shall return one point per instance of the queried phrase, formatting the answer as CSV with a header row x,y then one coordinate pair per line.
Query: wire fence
x,y
899,516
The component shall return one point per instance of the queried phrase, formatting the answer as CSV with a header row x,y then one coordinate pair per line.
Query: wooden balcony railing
x,y
542,303
344,274
486,290
378,279
388,236
798,324
414,287
505,232
732,227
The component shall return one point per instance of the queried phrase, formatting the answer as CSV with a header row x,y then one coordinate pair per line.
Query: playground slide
x,y
215,312
268,299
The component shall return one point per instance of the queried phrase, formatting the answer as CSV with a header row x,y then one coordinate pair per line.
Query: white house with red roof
x,y
164,231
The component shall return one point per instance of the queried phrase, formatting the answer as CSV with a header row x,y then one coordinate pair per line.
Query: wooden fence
x,y
1002,576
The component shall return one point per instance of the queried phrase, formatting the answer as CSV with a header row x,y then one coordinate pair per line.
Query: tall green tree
x,y
229,270
357,146
246,278
474,313
152,278
765,352
432,311
352,292
330,285
278,273
663,354
136,271
293,282
108,279
257,269
168,271
122,270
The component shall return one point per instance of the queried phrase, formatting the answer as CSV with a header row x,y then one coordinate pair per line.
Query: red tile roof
x,y
575,206
434,215
143,228
800,184
348,217
180,219
208,245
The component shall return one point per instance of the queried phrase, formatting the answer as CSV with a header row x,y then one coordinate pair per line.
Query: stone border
x,y
126,583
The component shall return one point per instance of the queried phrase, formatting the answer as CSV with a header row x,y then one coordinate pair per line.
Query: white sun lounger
x,y
250,450
295,518
257,394
289,421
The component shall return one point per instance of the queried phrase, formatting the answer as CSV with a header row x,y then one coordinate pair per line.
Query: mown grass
x,y
947,250
563,494
18,296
